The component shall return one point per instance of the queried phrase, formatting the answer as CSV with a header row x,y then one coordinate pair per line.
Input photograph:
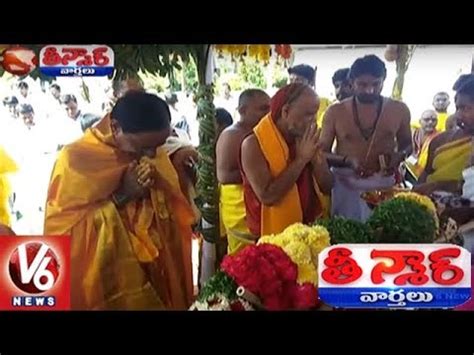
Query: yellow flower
x,y
252,51
302,244
421,199
299,252
264,53
307,273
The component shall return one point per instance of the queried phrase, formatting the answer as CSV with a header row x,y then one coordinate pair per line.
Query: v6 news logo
x,y
35,273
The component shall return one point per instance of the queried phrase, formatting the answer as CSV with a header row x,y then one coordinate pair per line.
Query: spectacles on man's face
x,y
429,119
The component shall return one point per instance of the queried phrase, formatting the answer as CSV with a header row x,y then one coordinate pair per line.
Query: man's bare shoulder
x,y
250,145
339,108
233,130
232,136
251,151
250,142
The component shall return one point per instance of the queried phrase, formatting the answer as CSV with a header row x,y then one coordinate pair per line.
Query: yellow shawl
x,y
450,160
135,258
274,219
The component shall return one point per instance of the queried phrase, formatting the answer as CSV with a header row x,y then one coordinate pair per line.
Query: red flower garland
x,y
268,272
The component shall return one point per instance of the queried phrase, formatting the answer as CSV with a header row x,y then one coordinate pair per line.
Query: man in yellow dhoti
x,y
116,193
253,105
452,151
7,166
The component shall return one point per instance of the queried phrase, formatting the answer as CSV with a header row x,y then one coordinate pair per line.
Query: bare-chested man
x,y
253,105
373,137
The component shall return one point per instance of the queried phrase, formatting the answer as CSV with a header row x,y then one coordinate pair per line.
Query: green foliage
x,y
402,221
342,230
253,73
280,76
279,83
190,76
219,283
154,82
207,186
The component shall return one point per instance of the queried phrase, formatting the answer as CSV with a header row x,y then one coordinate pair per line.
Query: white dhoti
x,y
345,199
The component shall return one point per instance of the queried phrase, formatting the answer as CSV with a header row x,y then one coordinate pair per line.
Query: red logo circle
x,y
19,60
33,267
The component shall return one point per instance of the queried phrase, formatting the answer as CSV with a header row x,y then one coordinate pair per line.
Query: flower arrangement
x,y
279,273
219,302
267,272
302,244
220,294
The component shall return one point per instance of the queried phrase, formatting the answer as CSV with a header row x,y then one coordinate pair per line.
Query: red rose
x,y
305,296
265,270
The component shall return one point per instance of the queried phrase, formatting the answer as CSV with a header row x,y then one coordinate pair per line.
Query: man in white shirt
x,y
77,123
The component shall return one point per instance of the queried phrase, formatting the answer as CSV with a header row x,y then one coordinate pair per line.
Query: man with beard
x,y
342,84
373,137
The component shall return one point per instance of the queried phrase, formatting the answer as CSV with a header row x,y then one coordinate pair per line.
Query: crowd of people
x,y
304,158
123,186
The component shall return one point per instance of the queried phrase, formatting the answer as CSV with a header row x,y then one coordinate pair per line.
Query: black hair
x,y
26,108
22,85
223,117
341,75
461,80
444,93
465,85
139,112
88,120
368,65
248,94
55,86
65,99
304,70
